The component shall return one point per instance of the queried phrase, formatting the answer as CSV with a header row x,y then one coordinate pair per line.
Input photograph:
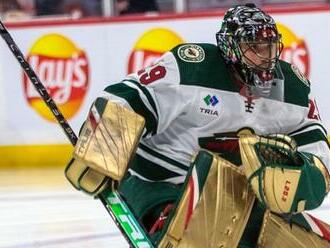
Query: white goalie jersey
x,y
190,101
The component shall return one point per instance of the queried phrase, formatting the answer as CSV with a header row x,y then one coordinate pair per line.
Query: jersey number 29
x,y
155,73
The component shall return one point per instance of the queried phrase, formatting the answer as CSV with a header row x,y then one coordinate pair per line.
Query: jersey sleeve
x,y
153,92
311,136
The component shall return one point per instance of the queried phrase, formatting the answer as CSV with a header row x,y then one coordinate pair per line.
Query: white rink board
x,y
108,45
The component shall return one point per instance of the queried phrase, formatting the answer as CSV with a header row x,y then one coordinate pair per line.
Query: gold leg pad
x,y
220,215
278,233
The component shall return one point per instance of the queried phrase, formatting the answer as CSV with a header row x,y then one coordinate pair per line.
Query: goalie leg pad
x,y
214,206
276,232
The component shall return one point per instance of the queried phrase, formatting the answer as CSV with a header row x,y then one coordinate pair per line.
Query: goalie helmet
x,y
249,40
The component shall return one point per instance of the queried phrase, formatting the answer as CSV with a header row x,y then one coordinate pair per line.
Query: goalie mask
x,y
249,40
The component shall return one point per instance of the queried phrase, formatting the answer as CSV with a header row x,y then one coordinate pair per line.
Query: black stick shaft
x,y
49,102
37,84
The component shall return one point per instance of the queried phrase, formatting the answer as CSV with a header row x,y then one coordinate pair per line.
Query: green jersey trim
x,y
153,166
150,170
309,137
211,72
295,90
317,125
133,98
146,93
163,157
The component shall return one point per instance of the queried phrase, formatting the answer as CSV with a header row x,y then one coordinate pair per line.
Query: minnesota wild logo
x,y
191,53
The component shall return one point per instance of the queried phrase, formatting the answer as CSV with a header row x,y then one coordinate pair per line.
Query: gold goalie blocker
x,y
105,146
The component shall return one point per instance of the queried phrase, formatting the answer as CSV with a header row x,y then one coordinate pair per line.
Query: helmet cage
x,y
230,46
250,27
266,51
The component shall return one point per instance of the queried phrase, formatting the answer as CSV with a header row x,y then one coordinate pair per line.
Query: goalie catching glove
x,y
283,179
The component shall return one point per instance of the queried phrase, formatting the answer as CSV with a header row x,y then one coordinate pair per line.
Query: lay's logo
x,y
63,69
150,46
295,50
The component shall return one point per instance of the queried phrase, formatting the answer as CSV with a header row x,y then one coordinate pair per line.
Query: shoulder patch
x,y
300,75
191,53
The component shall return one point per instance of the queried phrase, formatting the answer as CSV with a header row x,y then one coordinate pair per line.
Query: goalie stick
x,y
115,205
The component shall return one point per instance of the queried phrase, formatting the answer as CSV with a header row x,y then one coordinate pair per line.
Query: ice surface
x,y
39,208
40,213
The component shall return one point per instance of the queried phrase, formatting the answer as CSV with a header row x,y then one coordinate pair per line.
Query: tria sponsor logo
x,y
295,50
150,46
64,70
210,101
209,111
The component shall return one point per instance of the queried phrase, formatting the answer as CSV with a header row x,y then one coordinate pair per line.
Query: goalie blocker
x,y
212,207
105,147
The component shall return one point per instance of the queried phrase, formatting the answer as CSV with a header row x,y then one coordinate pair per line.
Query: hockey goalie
x,y
213,146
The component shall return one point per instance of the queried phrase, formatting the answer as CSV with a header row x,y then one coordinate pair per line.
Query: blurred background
x,y
26,9
78,47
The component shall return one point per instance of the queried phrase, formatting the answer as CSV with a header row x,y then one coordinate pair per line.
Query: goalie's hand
x,y
106,144
87,179
283,179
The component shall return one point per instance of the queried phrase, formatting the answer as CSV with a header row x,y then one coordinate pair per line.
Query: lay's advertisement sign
x,y
76,62
63,68
150,46
295,50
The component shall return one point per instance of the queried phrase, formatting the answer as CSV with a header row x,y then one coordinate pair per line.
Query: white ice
x,y
38,208
36,213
